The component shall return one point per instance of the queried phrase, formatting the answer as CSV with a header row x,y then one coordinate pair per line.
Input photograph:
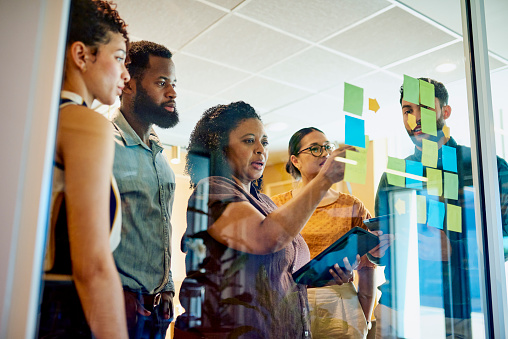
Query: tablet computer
x,y
316,272
381,223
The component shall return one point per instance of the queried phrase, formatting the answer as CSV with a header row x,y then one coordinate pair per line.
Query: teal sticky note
x,y
398,165
428,119
454,218
435,182
429,153
427,94
451,186
353,99
449,155
436,214
355,132
415,168
411,89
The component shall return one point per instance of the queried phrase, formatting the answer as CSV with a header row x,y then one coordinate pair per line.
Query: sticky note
x,y
415,168
446,131
411,121
436,214
449,155
421,209
454,218
355,132
428,119
451,186
400,206
373,105
427,94
356,173
435,182
396,165
429,153
366,148
353,99
411,89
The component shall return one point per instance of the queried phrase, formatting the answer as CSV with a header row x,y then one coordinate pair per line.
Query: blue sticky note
x,y
415,168
449,159
355,132
436,214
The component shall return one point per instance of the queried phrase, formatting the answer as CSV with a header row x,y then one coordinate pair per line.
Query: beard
x,y
417,139
153,113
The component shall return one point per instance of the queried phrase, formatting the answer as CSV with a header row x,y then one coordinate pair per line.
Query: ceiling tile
x,y
186,100
316,69
425,66
204,77
171,23
264,95
312,20
312,110
388,37
229,4
243,44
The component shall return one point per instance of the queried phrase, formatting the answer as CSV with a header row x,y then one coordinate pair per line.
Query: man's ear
x,y
79,53
447,111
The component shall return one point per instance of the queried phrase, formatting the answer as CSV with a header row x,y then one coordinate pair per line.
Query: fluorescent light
x,y
446,67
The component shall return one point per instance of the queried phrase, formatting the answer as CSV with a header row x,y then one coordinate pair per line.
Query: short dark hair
x,y
294,147
139,56
210,139
440,91
91,21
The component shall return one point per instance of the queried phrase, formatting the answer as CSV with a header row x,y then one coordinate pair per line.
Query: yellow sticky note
x,y
421,209
454,218
356,173
435,182
446,131
411,121
429,153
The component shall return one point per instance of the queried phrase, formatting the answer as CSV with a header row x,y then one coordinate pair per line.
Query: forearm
x,y
366,291
101,296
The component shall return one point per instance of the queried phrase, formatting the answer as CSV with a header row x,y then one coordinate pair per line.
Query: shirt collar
x,y
130,136
73,97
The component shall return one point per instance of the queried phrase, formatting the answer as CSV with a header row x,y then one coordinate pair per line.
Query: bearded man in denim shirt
x,y
147,186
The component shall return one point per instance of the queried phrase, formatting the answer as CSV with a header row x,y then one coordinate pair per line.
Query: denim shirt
x,y
147,187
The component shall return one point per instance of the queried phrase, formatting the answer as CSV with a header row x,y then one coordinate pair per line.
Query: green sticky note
x,y
364,150
353,99
356,173
435,182
421,209
451,186
398,165
428,119
454,218
429,153
427,94
411,89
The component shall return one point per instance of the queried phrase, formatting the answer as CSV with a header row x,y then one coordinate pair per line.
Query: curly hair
x,y
295,143
139,56
440,91
92,20
210,138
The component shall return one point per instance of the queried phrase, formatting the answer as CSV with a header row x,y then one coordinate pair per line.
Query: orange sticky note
x,y
411,121
373,105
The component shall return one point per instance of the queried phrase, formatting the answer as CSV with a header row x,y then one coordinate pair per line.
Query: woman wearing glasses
x,y
337,311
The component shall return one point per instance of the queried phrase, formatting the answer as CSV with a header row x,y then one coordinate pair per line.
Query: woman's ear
x,y
295,161
79,54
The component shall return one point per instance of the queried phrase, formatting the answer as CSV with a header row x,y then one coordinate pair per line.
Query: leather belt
x,y
147,299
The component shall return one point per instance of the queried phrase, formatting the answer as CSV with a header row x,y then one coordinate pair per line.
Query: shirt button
x,y
164,218
306,333
161,187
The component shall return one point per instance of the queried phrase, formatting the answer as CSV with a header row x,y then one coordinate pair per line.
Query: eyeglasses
x,y
317,150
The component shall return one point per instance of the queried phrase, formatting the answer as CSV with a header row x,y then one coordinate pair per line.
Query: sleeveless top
x,y
58,259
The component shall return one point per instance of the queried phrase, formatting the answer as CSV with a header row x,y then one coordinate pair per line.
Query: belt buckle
x,y
156,300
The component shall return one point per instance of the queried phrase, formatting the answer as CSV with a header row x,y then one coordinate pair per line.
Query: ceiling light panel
x,y
311,20
244,44
316,69
171,23
388,37
228,4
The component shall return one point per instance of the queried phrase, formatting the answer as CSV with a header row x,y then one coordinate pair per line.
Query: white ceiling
x,y
290,58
